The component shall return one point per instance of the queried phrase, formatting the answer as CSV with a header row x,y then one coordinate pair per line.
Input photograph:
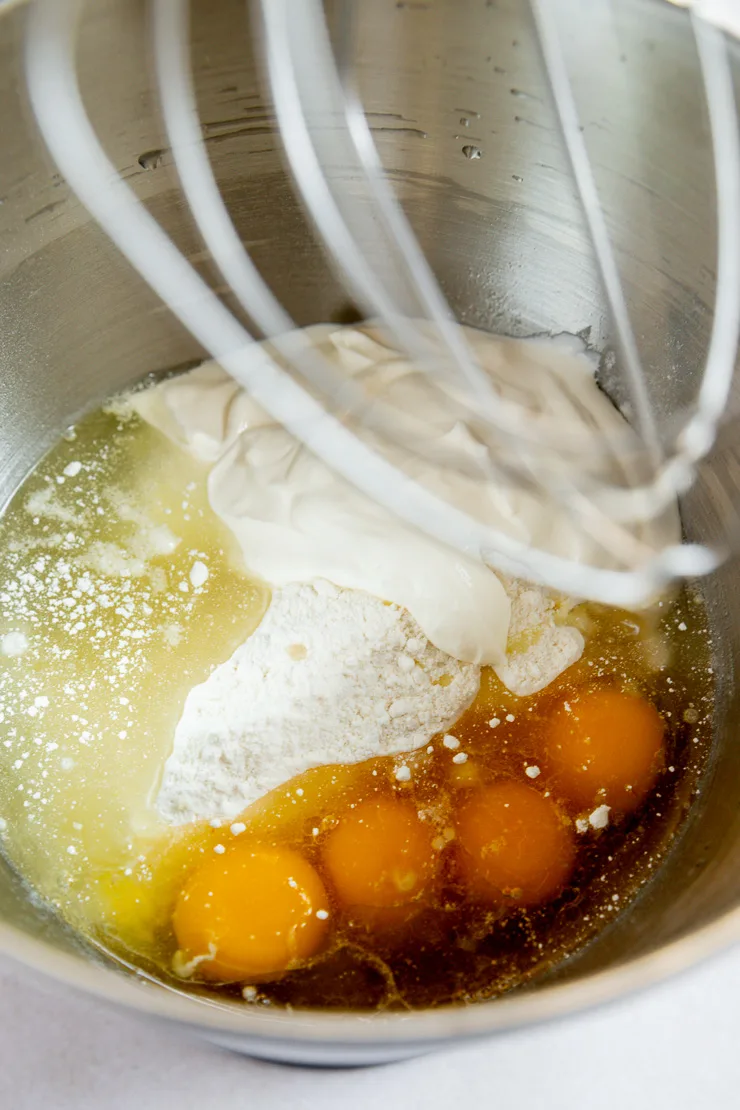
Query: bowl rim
x,y
421,1028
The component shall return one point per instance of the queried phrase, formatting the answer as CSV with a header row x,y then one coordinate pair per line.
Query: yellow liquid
x,y
95,578
95,575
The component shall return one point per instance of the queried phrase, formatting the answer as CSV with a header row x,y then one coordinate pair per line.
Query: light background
x,y
676,1047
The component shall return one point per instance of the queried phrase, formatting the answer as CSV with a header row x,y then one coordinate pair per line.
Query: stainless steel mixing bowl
x,y
505,234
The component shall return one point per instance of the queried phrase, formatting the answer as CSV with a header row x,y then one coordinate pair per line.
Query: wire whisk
x,y
611,487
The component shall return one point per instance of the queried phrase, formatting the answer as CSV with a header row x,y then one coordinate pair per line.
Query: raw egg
x,y
252,912
604,746
513,841
380,854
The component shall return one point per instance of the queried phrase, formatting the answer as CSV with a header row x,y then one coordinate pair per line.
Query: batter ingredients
x,y
295,520
146,679
269,713
330,676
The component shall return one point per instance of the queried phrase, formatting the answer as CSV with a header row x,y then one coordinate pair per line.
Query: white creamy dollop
x,y
296,520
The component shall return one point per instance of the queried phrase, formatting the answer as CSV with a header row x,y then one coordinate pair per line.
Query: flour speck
x,y
13,643
198,574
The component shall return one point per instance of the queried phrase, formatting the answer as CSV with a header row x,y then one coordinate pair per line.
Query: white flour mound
x,y
329,676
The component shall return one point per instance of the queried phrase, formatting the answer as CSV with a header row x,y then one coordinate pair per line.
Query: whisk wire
x,y
327,139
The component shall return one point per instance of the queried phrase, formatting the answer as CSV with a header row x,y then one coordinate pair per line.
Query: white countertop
x,y
676,1047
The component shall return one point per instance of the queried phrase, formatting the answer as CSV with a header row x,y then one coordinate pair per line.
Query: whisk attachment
x,y
371,245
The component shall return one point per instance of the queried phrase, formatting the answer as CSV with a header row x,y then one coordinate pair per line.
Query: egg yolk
x,y
251,912
513,841
380,854
604,746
